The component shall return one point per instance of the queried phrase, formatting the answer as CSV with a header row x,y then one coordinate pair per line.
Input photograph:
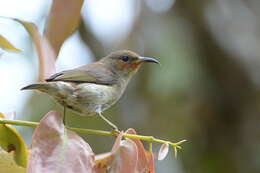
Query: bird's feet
x,y
115,131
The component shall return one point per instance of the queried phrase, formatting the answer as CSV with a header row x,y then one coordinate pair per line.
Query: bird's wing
x,y
86,74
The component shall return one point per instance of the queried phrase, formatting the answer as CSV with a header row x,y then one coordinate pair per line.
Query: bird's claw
x,y
116,131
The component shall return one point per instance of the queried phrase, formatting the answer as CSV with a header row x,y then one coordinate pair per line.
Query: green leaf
x,y
7,163
7,45
12,141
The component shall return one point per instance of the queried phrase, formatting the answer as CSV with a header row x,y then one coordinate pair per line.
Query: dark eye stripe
x,y
125,58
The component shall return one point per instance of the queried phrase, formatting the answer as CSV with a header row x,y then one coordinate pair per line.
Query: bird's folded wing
x,y
98,76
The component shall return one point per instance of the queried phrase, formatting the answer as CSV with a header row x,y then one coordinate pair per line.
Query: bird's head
x,y
126,62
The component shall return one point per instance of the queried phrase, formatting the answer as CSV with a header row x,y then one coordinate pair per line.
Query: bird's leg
x,y
64,116
107,121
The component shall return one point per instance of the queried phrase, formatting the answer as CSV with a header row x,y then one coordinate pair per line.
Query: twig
x,y
150,139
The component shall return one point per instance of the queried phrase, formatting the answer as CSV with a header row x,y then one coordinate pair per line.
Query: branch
x,y
150,139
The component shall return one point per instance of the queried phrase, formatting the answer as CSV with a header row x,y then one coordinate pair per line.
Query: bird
x,y
93,88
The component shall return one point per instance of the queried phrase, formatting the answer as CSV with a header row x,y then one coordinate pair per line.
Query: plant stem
x,y
150,139
19,122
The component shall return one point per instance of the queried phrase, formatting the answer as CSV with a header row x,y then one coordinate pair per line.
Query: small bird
x,y
93,88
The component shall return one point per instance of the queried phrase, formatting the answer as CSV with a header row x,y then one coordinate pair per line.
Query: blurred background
x,y
207,89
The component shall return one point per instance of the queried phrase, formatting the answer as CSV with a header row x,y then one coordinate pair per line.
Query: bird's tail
x,y
39,86
51,88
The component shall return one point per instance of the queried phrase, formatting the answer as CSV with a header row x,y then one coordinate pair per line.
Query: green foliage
x,y
7,45
11,141
8,164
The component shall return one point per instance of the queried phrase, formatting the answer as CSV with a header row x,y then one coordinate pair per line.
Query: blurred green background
x,y
207,89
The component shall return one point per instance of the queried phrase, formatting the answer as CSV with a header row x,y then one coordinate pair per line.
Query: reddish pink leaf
x,y
117,142
164,149
102,162
63,21
46,57
45,52
151,163
58,150
144,159
127,156
124,158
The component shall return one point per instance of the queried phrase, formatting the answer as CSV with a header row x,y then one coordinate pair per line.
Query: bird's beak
x,y
148,59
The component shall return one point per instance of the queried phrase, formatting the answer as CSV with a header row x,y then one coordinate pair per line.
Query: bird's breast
x,y
95,97
95,93
86,98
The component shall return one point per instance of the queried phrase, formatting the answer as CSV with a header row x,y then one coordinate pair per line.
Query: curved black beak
x,y
148,59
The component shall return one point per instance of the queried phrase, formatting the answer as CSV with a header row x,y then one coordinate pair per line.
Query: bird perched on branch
x,y
93,88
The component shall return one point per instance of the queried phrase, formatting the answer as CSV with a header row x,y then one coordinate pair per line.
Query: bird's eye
x,y
125,58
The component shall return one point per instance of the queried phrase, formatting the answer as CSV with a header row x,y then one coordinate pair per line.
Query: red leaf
x,y
151,163
163,151
124,158
102,162
63,21
58,150
143,160
127,156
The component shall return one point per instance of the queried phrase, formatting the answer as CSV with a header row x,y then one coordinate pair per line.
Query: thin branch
x,y
19,122
150,139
